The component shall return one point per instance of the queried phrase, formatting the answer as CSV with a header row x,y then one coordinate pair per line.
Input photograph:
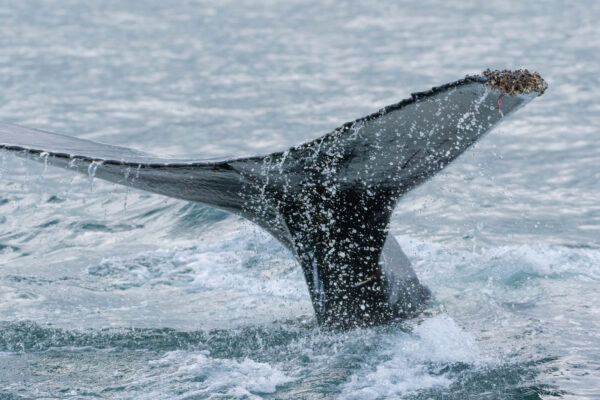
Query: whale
x,y
329,200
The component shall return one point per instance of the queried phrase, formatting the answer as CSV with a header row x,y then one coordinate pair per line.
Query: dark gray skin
x,y
329,201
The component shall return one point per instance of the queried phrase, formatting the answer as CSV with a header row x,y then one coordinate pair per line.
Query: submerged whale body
x,y
329,201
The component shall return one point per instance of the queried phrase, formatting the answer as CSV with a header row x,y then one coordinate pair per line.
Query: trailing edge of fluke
x,y
329,201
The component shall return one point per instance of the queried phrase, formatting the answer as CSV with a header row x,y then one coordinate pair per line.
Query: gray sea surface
x,y
107,292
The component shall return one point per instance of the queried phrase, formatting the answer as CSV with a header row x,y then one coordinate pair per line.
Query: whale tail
x,y
329,201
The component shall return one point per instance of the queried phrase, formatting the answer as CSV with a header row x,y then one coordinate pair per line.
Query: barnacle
x,y
519,81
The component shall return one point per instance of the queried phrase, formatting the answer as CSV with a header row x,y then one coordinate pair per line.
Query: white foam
x,y
443,341
248,261
411,361
207,377
438,262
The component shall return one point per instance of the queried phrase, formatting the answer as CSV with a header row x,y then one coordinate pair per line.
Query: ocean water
x,y
107,292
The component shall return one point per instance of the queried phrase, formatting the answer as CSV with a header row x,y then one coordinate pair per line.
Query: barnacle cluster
x,y
519,81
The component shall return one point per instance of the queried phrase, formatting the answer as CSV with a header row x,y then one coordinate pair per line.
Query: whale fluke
x,y
329,200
